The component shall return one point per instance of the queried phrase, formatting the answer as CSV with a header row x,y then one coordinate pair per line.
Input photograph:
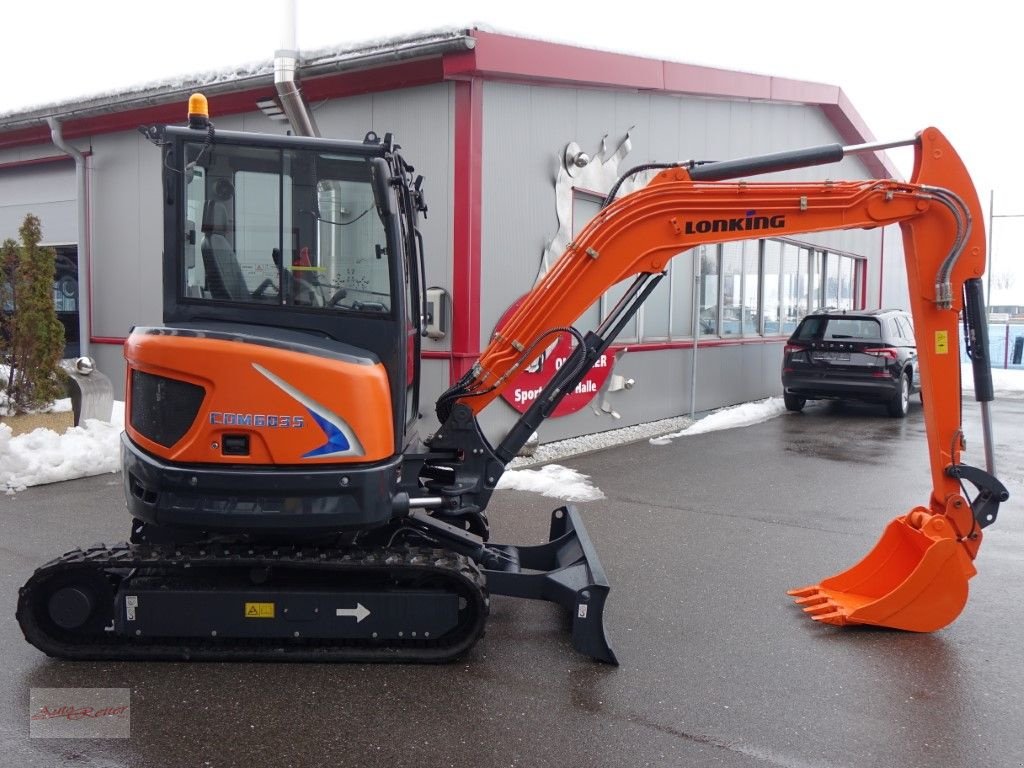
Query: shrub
x,y
31,335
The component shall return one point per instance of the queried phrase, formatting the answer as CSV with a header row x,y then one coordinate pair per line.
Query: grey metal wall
x,y
525,130
48,191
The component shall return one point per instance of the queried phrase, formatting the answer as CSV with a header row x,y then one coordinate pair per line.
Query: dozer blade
x,y
566,571
915,579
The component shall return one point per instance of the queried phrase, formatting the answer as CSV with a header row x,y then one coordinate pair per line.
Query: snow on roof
x,y
253,73
312,62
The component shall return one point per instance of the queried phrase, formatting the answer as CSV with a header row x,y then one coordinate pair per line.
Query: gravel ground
x,y
577,446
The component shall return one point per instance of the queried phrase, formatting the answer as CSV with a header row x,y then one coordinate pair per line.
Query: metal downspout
x,y
84,254
285,64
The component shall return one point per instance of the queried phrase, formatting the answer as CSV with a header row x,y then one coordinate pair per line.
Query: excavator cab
x,y
290,336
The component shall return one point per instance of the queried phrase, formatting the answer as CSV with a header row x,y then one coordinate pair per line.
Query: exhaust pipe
x,y
285,63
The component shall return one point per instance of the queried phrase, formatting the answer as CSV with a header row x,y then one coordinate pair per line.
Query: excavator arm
x,y
916,577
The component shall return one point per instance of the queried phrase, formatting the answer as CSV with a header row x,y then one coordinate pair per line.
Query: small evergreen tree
x,y
8,262
35,337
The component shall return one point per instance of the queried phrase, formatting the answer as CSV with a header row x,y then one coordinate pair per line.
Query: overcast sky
x,y
904,66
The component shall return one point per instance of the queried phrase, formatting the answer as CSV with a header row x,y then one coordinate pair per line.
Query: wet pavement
x,y
700,540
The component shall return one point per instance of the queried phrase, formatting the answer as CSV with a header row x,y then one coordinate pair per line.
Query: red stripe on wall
x,y
704,81
47,160
659,346
535,60
405,75
466,225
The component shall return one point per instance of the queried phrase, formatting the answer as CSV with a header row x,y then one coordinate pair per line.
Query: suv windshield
x,y
283,226
826,328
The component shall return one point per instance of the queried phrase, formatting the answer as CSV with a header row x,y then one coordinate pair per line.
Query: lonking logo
x,y
748,223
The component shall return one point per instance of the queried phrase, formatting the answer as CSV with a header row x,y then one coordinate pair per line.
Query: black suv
x,y
846,355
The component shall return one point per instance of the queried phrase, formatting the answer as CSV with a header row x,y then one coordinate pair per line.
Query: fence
x,y
1006,345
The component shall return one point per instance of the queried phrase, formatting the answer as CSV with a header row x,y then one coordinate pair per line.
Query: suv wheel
x,y
900,403
794,403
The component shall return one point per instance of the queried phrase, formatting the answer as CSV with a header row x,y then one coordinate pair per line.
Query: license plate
x,y
832,356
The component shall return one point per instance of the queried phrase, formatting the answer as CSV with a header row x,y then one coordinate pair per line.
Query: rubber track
x,y
400,562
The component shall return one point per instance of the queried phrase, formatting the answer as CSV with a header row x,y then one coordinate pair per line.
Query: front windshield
x,y
283,227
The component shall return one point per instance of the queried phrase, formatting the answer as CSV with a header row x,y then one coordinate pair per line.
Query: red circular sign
x,y
525,386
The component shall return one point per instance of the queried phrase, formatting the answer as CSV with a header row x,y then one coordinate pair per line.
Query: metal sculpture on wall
x,y
578,170
596,175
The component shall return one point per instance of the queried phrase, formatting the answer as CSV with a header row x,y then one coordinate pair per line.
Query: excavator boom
x,y
916,578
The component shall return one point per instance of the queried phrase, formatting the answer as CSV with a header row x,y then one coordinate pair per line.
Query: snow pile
x,y
43,456
1007,382
554,481
743,415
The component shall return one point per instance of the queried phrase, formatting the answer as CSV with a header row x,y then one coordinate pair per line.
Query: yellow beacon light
x,y
198,110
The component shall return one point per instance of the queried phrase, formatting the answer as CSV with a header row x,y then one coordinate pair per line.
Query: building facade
x,y
518,140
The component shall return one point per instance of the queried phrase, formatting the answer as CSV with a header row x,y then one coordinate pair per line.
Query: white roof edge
x,y
230,78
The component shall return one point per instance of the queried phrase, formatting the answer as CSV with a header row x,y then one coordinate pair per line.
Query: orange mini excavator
x,y
284,505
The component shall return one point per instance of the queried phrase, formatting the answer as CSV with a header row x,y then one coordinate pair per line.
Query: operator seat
x,y
224,278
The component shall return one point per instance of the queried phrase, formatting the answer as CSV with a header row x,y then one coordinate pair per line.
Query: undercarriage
x,y
388,597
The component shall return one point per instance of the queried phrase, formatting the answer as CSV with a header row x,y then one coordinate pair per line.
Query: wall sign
x,y
525,386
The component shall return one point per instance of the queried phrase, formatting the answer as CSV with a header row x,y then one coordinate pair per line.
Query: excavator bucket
x,y
915,579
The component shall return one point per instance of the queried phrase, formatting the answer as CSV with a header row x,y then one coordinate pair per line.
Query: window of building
x,y
657,310
816,261
771,317
847,270
681,273
794,286
732,288
749,323
831,286
707,290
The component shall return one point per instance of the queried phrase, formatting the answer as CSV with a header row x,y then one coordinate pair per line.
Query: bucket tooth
x,y
835,617
821,609
803,591
811,599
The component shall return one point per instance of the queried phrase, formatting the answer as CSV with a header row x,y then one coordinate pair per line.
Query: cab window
x,y
283,227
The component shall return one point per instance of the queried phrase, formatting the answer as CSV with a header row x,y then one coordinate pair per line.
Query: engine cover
x,y
197,397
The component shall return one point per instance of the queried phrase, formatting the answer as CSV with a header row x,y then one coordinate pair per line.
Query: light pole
x,y
992,215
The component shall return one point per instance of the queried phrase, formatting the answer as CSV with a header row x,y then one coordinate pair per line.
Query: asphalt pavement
x,y
700,540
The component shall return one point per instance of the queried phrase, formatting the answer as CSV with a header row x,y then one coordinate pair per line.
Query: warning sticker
x,y
259,610
942,342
